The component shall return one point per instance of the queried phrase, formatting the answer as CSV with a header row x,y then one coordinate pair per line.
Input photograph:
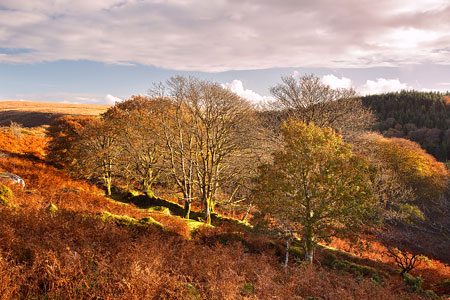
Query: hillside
x,y
423,117
62,238
31,114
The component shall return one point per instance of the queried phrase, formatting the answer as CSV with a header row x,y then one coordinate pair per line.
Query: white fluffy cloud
x,y
227,35
378,86
110,99
237,87
382,85
337,83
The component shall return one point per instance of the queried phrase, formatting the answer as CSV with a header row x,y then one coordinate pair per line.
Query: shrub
x,y
248,289
296,252
412,213
329,259
431,294
52,209
356,269
5,194
191,292
414,283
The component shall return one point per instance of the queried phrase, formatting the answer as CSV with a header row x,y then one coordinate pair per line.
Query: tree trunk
x,y
247,212
309,245
187,208
212,205
208,211
149,192
286,260
309,253
108,185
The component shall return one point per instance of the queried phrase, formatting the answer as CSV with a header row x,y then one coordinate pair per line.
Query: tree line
x,y
423,117
306,162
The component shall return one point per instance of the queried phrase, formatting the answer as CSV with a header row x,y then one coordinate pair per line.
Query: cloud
x,y
337,83
74,98
225,35
378,86
237,87
295,74
110,99
382,85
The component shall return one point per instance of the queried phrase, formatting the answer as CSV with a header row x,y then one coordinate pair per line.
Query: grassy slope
x,y
31,114
78,253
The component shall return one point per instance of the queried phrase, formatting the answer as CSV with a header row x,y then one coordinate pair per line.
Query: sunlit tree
x,y
206,134
316,186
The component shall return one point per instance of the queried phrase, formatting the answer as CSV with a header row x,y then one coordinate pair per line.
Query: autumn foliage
x,y
73,254
22,145
61,237
415,168
316,186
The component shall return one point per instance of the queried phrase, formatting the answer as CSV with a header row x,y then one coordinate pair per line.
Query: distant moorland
x,y
31,114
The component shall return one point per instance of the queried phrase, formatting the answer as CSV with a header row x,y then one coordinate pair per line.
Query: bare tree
x,y
181,149
212,127
401,247
310,100
405,260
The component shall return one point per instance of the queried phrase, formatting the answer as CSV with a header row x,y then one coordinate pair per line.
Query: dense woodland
x,y
193,193
423,117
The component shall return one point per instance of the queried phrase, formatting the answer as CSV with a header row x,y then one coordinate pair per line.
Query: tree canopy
x,y
316,186
423,117
308,99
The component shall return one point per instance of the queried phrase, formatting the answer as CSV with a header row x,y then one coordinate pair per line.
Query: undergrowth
x,y
66,240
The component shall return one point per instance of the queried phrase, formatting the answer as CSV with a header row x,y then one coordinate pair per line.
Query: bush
x,y
414,283
431,294
52,209
297,252
411,213
355,269
191,292
446,283
329,259
248,289
5,194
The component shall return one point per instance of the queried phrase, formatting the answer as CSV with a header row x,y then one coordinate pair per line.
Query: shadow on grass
x,y
146,202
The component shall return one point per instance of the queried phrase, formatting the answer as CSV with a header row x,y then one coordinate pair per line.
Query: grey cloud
x,y
228,34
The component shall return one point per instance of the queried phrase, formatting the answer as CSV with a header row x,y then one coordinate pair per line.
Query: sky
x,y
102,51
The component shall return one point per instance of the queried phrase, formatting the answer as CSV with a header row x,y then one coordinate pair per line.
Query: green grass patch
x,y
195,225
159,209
377,276
146,202
129,221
